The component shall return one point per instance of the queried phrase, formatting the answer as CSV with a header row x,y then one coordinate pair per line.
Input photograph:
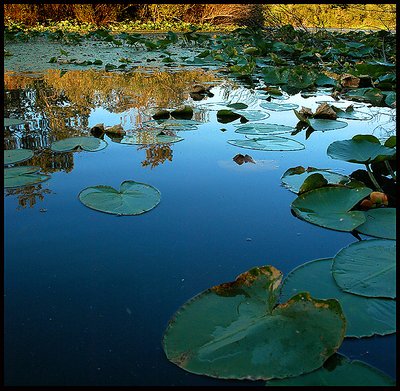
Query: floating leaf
x,y
367,268
294,177
133,198
351,114
278,106
226,116
13,122
240,159
369,95
238,106
173,124
338,370
313,181
365,316
150,137
161,114
23,176
361,150
326,124
253,115
234,330
380,223
185,112
89,144
263,129
269,143
329,207
18,155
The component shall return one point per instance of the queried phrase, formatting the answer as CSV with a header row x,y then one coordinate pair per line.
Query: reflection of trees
x,y
156,154
50,161
28,195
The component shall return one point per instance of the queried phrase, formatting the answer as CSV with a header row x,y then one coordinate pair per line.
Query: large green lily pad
x,y
269,143
330,207
365,316
23,176
380,223
12,156
323,125
294,177
360,149
89,144
13,122
367,268
278,106
263,129
234,330
150,137
338,370
133,198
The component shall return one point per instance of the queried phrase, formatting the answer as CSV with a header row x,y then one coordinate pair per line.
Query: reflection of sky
x,y
68,287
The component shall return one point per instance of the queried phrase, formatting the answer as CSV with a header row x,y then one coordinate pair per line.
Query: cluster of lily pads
x,y
258,328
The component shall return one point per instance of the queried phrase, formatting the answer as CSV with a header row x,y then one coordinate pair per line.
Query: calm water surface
x,y
88,295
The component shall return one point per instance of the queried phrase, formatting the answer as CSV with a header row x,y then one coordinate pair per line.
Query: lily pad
x,y
23,176
133,198
278,106
263,129
238,106
350,113
380,223
226,116
361,150
150,137
89,144
173,124
236,331
367,268
329,207
338,370
269,143
323,125
253,115
13,122
294,177
12,156
365,316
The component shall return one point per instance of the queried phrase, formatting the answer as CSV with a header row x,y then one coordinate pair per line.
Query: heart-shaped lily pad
x,y
150,137
367,268
133,198
294,177
329,207
380,223
12,156
269,143
360,149
278,106
13,122
263,129
89,144
236,330
323,125
23,176
338,370
365,316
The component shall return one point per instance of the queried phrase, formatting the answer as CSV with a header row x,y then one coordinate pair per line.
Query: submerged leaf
x,y
236,330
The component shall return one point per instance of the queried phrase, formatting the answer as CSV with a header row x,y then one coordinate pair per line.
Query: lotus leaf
x,y
269,143
253,115
294,177
150,137
367,268
359,150
278,106
326,124
236,330
133,198
338,370
380,223
13,122
365,316
329,207
89,144
263,129
23,176
18,155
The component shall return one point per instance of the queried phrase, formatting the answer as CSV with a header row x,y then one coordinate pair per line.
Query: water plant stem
x,y
392,174
373,180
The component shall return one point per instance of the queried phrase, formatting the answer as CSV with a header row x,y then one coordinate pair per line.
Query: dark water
x,y
87,295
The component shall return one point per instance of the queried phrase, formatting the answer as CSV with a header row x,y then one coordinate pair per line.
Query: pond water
x,y
88,295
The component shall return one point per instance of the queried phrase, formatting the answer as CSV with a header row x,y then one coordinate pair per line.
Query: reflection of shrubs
x,y
156,154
